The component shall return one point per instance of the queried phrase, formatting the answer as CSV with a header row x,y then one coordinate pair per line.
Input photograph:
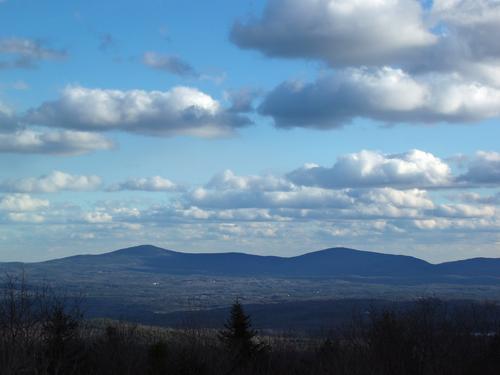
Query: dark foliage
x,y
238,334
46,335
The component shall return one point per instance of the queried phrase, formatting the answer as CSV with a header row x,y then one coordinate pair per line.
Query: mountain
x,y
333,262
475,267
147,283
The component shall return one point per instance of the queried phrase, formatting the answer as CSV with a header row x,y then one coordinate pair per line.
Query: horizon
x,y
218,127
242,252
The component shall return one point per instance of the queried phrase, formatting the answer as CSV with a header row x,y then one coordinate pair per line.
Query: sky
x,y
271,127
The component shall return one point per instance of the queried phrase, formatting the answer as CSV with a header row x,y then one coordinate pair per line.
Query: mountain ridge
x,y
330,262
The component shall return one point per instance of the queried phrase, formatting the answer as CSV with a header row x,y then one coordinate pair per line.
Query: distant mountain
x,y
334,262
475,267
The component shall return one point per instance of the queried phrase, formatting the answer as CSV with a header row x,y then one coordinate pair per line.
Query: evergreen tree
x,y
238,334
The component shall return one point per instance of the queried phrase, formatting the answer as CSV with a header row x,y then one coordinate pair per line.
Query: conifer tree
x,y
238,334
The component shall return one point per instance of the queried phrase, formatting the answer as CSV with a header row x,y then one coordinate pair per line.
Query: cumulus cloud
x,y
26,53
395,60
155,183
371,169
169,63
384,94
483,169
21,203
448,35
179,111
28,141
471,25
341,32
229,180
51,183
301,197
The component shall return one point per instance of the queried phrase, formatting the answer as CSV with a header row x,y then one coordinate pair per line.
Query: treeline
x,y
45,334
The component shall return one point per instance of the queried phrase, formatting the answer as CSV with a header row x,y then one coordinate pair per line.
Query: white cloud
x,y
179,111
471,26
51,183
438,64
341,32
300,197
368,169
413,198
229,180
21,203
450,35
384,94
464,210
97,217
155,183
52,142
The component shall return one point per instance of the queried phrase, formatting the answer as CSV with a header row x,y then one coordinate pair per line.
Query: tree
x,y
238,334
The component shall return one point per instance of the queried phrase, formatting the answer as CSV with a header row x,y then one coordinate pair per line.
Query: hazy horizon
x,y
270,127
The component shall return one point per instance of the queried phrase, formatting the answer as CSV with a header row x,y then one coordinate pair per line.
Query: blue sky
x,y
269,127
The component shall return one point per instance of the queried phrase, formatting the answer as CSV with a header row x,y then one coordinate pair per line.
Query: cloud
x,y
303,197
21,203
414,168
20,86
52,142
179,111
448,36
470,25
384,94
463,211
395,60
8,118
23,217
169,63
483,169
97,217
228,180
478,198
27,53
242,100
54,182
155,183
341,32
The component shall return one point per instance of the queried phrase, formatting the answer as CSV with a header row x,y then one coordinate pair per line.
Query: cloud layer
x,y
368,196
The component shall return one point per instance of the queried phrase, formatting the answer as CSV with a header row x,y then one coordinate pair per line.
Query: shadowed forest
x,y
44,333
